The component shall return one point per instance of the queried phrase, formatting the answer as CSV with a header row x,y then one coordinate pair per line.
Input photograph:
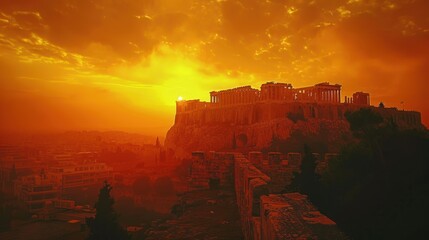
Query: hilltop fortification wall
x,y
259,112
250,119
255,125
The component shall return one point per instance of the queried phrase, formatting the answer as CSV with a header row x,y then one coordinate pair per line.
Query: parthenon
x,y
271,94
270,91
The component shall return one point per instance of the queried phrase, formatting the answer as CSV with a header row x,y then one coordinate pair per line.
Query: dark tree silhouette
x,y
105,225
5,213
364,122
369,127
307,180
379,182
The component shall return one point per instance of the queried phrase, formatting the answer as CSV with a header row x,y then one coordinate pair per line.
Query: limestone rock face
x,y
254,125
185,138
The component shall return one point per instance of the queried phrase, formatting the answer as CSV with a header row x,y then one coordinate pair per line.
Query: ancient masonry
x,y
246,105
252,118
264,214
212,170
215,169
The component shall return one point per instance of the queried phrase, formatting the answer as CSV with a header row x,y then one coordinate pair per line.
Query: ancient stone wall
x,y
251,113
260,122
281,169
266,216
217,167
213,169
250,184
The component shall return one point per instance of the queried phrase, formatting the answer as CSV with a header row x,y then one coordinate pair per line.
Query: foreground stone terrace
x,y
292,216
205,214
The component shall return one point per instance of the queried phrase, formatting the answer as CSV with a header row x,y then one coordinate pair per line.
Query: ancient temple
x,y
271,91
246,105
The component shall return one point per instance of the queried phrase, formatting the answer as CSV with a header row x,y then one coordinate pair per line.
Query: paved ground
x,y
209,214
60,228
44,230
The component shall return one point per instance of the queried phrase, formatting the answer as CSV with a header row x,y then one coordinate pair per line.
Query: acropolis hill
x,y
253,118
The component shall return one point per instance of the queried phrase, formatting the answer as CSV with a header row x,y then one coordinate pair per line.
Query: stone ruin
x,y
281,167
249,119
215,169
211,170
246,105
264,215
293,216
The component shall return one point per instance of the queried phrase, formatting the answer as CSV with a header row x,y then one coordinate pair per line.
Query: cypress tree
x,y
105,226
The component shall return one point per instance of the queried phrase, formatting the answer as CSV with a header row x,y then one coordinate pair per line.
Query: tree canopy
x,y
377,188
105,226
377,183
306,181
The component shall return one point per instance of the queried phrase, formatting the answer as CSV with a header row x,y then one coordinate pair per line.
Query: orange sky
x,y
120,65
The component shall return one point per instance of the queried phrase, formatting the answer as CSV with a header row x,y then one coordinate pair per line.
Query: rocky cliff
x,y
263,125
183,138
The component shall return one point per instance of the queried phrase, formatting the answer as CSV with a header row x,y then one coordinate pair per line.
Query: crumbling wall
x,y
266,216
250,184
293,216
211,166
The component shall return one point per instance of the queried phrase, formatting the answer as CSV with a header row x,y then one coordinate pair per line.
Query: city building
x,y
77,175
36,191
